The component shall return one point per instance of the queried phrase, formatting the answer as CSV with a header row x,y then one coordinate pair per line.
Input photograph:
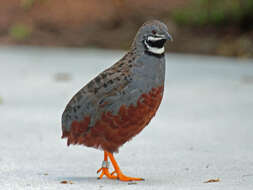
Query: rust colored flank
x,y
112,131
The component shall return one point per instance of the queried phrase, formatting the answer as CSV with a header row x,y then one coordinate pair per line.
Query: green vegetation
x,y
27,4
215,13
1,100
20,31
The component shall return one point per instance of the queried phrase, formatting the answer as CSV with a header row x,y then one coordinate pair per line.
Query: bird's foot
x,y
122,177
117,174
105,171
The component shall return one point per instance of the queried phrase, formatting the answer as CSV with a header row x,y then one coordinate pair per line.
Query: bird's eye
x,y
153,32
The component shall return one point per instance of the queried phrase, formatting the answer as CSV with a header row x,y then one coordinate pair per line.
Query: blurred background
x,y
216,27
49,49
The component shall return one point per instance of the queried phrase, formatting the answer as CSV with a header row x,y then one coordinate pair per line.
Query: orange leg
x,y
105,168
119,174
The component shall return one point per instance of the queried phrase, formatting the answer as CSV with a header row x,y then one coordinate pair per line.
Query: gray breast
x,y
147,72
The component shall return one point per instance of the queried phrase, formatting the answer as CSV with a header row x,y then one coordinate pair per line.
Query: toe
x,y
126,178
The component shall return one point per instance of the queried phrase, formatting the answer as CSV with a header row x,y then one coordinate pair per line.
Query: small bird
x,y
117,104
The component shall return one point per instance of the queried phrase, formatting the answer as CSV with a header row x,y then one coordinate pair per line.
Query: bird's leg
x,y
119,174
105,168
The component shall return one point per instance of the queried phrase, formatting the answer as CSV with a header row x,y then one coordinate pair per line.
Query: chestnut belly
x,y
112,131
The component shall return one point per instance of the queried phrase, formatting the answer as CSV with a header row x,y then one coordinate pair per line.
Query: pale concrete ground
x,y
203,130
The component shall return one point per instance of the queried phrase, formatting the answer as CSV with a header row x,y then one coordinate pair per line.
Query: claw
x,y
105,171
99,170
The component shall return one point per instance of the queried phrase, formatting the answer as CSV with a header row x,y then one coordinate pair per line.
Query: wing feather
x,y
98,96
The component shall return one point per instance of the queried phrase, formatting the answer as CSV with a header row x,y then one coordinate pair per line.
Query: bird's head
x,y
152,36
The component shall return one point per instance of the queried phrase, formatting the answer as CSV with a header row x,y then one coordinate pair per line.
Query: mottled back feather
x,y
120,101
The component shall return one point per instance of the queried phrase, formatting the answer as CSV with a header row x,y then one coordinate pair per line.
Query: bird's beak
x,y
168,37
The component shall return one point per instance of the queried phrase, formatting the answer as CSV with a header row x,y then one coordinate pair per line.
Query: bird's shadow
x,y
78,179
89,179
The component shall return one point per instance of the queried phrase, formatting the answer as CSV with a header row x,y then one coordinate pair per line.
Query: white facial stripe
x,y
156,37
160,35
151,38
154,49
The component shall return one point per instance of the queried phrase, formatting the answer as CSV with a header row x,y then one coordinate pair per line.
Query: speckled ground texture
x,y
203,129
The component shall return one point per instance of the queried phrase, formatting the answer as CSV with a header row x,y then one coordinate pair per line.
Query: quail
x,y
119,102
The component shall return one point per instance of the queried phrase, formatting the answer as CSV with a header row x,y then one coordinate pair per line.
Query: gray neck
x,y
149,71
138,46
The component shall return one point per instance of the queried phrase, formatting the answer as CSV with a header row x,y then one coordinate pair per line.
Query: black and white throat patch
x,y
155,44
